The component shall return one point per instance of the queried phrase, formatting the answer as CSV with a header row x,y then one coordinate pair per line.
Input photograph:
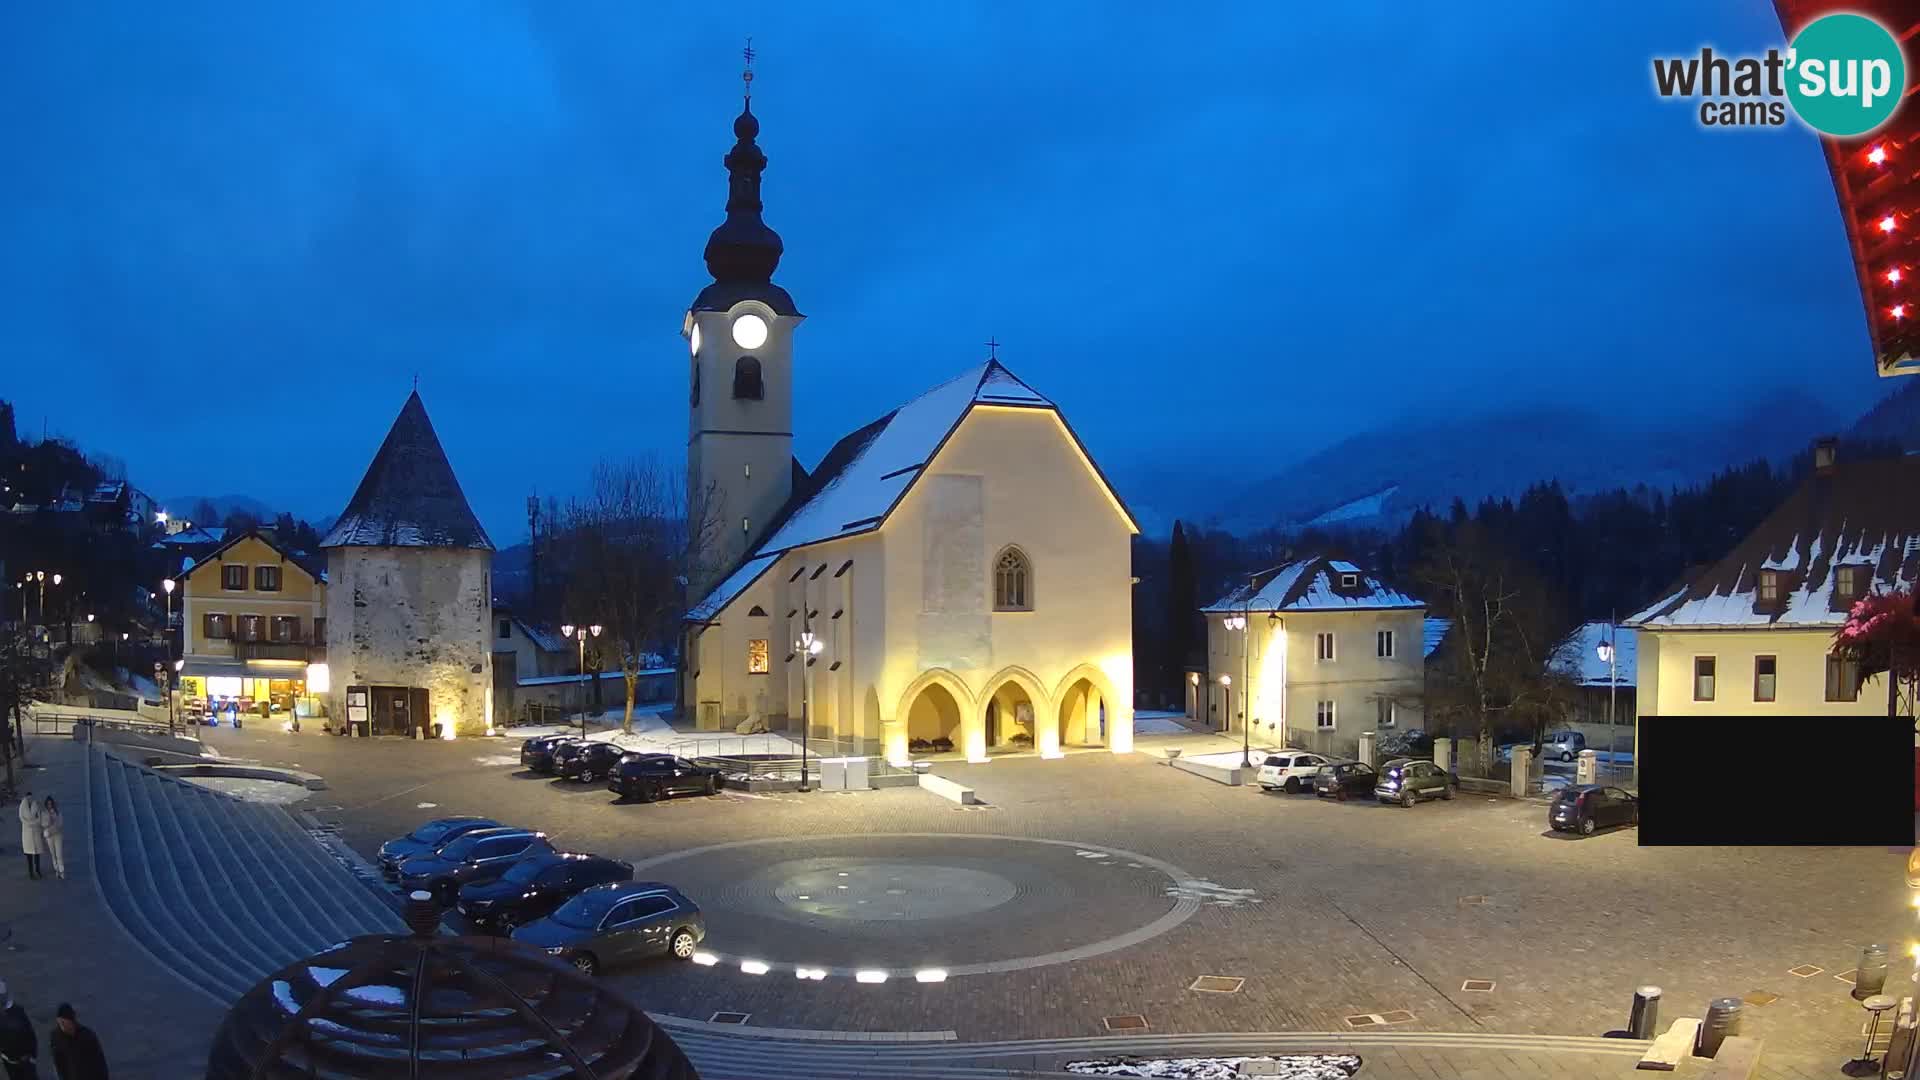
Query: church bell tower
x,y
739,335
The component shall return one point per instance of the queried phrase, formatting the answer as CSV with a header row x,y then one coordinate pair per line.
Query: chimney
x,y
1825,450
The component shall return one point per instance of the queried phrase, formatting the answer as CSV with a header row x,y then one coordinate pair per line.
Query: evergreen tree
x,y
1183,602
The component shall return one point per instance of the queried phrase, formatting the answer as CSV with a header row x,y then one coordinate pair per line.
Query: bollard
x,y
1723,1019
423,915
1871,978
1644,1021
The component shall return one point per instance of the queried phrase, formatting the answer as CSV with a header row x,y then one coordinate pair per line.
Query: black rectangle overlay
x,y
1744,781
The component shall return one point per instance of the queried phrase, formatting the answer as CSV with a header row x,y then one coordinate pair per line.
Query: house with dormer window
x,y
1751,633
1311,654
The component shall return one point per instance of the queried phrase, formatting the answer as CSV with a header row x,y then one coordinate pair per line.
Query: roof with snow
x,y
302,561
868,472
1579,654
1313,585
1433,632
1859,514
193,537
409,497
543,639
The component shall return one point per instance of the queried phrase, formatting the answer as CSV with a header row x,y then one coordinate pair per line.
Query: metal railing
x,y
58,723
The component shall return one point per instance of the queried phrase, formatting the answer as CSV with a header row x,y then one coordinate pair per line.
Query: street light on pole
x,y
580,634
1239,623
1610,656
807,647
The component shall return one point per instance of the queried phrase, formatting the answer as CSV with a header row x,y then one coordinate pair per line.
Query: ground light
x,y
705,959
816,974
930,975
869,975
754,967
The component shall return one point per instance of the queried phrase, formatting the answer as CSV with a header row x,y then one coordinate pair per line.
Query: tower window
x,y
1012,581
747,384
695,398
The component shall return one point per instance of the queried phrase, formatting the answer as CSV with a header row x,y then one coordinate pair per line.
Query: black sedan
x,y
586,762
651,777
426,839
481,855
1344,779
1587,807
537,755
534,886
612,924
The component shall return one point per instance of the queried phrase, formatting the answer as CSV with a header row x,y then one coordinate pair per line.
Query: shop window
x,y
266,578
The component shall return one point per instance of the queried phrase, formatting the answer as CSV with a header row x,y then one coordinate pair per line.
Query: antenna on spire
x,y
746,74
993,348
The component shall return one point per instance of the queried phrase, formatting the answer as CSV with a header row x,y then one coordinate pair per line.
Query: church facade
x,y
955,574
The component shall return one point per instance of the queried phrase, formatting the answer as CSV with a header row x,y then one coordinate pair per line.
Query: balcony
x,y
280,650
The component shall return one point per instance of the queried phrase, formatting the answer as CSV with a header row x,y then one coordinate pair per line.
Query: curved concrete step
x,y
272,906
126,886
355,908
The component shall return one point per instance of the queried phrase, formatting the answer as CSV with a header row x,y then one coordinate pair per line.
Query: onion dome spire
x,y
743,250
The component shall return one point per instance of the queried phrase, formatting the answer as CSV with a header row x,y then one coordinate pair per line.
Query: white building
x,y
961,563
1321,650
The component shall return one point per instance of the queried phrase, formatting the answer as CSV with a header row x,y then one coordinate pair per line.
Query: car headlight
x,y
556,950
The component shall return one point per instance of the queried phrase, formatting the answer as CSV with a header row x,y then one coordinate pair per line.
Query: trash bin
x,y
1723,1020
1645,1018
1871,978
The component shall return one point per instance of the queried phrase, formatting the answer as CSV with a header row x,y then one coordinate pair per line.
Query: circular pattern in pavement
x,y
904,903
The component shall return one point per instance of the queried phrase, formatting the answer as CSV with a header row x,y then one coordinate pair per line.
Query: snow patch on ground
x,y
1151,722
427,806
1209,892
1289,1067
250,790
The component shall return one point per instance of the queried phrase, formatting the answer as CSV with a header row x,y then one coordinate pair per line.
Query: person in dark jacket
x,y
76,1049
18,1044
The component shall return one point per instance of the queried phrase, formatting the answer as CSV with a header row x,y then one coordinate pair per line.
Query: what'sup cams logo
x,y
1842,75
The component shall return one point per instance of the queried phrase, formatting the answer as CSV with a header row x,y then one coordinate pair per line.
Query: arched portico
x,y
1015,700
951,708
1090,713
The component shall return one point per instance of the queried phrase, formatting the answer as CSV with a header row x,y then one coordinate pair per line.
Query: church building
x,y
956,573
409,595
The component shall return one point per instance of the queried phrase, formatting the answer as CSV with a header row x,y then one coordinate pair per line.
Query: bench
x,y
1219,774
948,789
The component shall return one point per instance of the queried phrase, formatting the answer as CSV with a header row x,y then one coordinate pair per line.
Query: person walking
x,y
76,1049
51,824
19,1046
32,840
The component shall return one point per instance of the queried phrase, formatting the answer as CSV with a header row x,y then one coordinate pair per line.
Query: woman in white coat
x,y
51,824
32,840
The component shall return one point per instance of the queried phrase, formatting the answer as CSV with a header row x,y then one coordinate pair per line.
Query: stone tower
x,y
739,333
409,594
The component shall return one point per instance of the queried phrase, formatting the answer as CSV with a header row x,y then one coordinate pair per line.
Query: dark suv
x,y
481,855
534,886
427,839
588,762
537,754
651,777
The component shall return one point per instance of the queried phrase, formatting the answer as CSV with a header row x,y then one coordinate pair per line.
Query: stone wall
x,y
413,617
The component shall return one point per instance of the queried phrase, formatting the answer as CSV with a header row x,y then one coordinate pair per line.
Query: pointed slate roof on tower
x,y
409,497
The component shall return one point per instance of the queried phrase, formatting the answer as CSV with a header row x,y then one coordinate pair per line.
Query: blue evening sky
x,y
1220,235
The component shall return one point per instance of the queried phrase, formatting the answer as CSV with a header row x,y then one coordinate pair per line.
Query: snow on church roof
x,y
409,496
867,472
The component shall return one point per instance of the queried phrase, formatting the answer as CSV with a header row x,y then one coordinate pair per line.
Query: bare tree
x,y
26,675
1498,664
624,551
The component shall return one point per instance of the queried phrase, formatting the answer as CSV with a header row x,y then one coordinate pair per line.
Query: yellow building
x,y
1750,635
956,574
253,628
1317,651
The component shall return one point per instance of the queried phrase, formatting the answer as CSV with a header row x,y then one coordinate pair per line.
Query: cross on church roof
x,y
746,75
993,349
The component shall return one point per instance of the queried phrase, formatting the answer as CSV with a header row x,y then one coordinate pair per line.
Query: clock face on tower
x,y
693,339
749,331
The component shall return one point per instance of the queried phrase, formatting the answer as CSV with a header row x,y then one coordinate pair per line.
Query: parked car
x,y
651,777
1343,779
1588,807
481,855
1407,781
1562,745
533,887
1290,770
536,755
587,761
611,924
426,839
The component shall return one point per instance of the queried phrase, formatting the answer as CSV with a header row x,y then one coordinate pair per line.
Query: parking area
x,y
1101,886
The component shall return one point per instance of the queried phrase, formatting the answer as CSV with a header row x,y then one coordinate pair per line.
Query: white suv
x,y
1291,770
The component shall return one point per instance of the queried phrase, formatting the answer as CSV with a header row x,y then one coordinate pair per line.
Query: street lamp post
x,y
1239,623
178,666
807,647
580,634
1610,656
166,628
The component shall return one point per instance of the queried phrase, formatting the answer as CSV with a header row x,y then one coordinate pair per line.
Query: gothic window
x,y
747,383
1012,581
757,656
